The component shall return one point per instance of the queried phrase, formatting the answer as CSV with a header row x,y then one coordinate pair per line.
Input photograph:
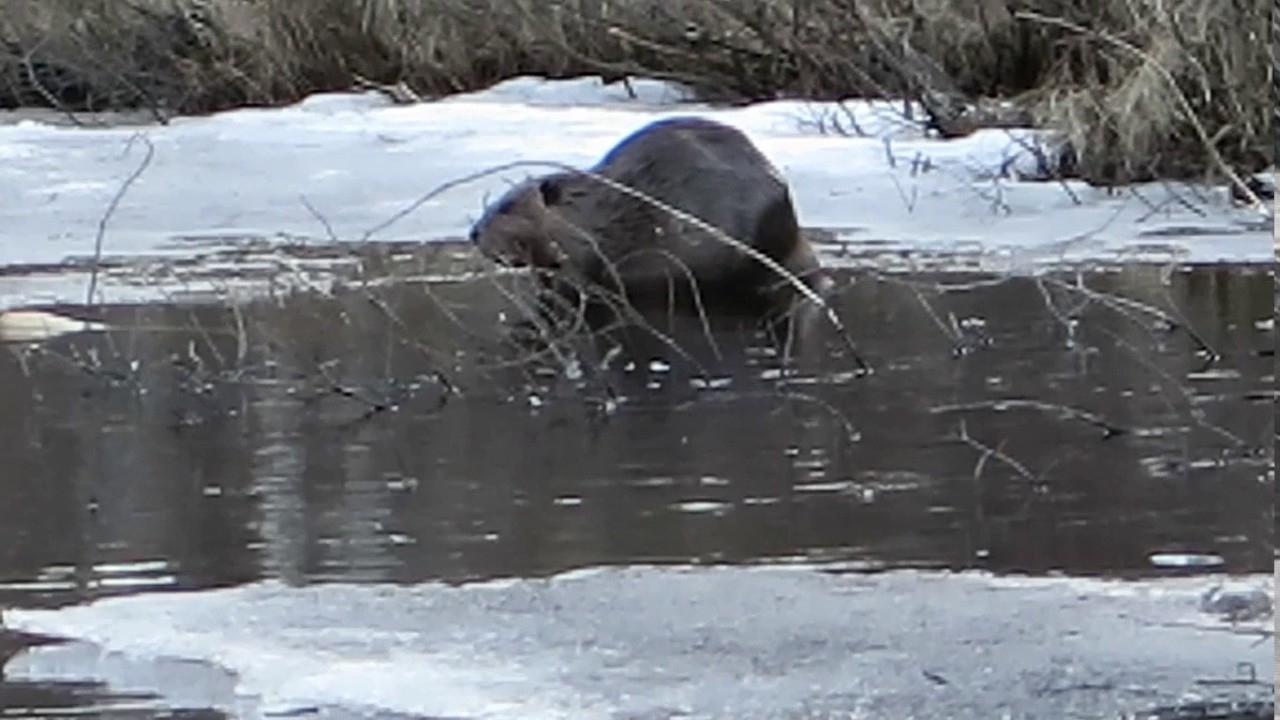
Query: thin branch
x,y
1109,429
101,234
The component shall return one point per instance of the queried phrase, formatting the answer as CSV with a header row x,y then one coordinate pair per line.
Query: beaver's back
x,y
669,139
702,167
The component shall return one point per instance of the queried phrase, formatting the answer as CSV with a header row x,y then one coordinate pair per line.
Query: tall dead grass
x,y
1141,88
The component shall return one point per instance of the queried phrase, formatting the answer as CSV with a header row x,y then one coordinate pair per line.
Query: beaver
x,y
604,236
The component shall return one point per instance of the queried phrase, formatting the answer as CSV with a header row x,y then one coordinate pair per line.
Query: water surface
x,y
377,435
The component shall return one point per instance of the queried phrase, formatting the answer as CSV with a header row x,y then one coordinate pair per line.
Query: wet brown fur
x,y
576,223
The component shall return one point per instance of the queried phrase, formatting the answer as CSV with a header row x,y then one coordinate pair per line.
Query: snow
x,y
339,165
646,642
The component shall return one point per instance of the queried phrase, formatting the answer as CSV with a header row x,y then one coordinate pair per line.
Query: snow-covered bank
x,y
342,164
678,642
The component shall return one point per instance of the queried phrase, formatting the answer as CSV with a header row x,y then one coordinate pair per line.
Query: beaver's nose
x,y
474,236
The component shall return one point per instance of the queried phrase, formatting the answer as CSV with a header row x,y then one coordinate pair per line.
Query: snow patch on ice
x,y
344,163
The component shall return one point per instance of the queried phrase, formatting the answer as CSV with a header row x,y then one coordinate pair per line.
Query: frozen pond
x,y
297,477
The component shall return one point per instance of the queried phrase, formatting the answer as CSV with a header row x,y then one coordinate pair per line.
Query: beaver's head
x,y
518,229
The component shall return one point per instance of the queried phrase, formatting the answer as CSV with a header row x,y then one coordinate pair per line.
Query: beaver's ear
x,y
550,190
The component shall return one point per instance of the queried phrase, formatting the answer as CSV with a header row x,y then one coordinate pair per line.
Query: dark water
x,y
377,436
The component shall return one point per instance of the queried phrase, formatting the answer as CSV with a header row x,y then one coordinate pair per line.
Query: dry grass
x,y
1142,88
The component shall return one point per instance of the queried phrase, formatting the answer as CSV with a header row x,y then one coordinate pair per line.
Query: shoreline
x,y
250,273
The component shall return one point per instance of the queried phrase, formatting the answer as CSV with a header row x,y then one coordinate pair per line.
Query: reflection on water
x,y
375,436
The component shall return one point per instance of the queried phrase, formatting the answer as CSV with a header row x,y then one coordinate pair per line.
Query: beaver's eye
x,y
550,190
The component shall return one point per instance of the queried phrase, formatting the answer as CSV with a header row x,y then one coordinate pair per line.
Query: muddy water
x,y
382,434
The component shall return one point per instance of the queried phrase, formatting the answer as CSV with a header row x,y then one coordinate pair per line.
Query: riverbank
x,y
1137,90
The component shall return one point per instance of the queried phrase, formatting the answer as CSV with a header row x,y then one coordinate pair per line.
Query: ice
x,y
345,163
642,642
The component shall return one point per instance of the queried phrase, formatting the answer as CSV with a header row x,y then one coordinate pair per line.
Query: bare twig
x,y
1109,429
100,236
994,453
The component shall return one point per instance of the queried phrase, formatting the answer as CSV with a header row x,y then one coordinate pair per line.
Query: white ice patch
x,y
650,642
347,162
585,91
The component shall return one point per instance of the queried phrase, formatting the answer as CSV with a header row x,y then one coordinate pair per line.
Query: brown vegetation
x,y
1141,88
